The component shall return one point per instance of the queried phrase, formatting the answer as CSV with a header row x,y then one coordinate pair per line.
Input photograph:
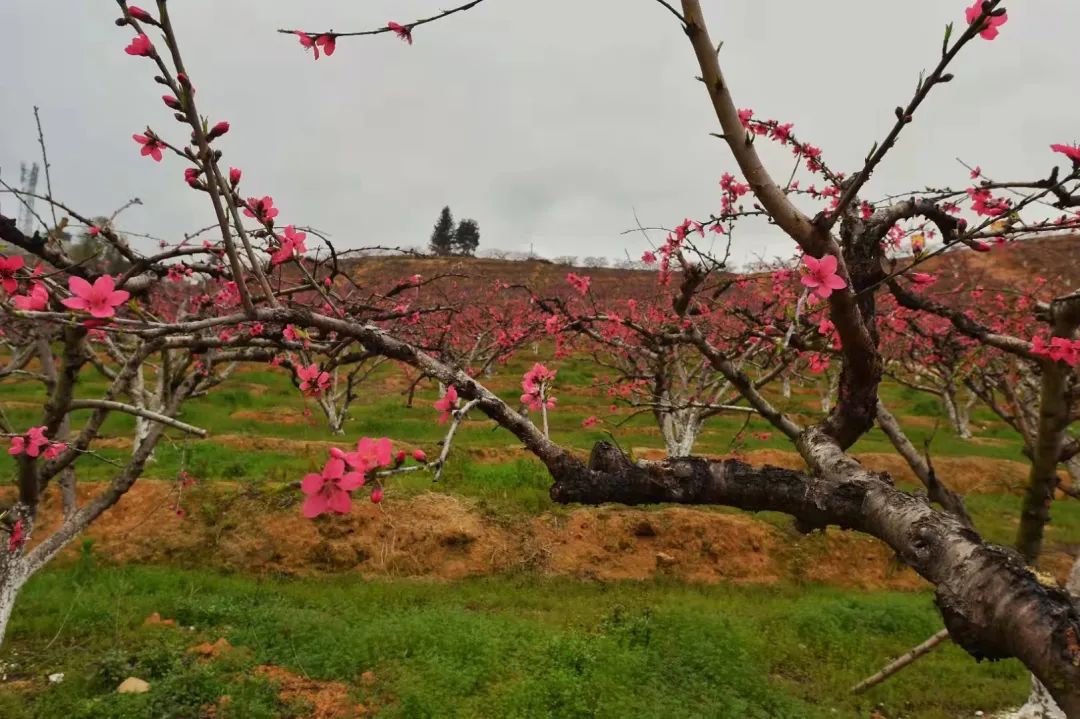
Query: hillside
x,y
1055,258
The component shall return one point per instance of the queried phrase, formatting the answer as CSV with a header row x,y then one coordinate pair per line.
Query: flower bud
x,y
217,131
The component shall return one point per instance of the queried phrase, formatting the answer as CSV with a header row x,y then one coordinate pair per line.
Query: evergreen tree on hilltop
x,y
442,238
467,237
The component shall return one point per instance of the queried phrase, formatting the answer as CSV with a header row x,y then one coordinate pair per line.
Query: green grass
x,y
493,647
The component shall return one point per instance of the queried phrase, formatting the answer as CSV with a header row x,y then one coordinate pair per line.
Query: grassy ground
x,y
262,403
494,647
516,646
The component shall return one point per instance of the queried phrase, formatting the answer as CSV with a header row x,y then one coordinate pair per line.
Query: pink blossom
x,y
171,102
93,230
976,173
818,363
447,404
308,42
140,45
29,444
53,450
745,115
261,210
648,257
983,203
539,374
312,380
923,278
371,454
100,299
191,176
291,245
782,133
821,275
401,31
376,495
990,25
8,267
535,384
1060,349
1070,151
579,283
151,146
234,176
328,43
17,538
329,490
34,301
590,421
419,455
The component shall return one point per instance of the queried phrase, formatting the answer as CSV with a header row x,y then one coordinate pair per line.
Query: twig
x,y
673,11
459,416
380,31
908,658
45,159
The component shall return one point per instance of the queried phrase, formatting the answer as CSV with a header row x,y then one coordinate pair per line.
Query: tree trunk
x,y
958,416
992,605
13,576
1043,478
137,392
1040,705
680,431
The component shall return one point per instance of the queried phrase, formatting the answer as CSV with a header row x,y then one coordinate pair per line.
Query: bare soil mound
x,y
444,537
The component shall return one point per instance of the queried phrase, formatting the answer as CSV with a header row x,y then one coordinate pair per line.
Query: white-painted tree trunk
x,y
12,578
138,398
680,431
959,414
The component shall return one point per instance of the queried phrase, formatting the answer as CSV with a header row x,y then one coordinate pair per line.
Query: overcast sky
x,y
548,121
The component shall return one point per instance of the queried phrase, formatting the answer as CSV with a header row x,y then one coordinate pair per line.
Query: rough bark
x,y
13,576
992,604
1055,415
1040,705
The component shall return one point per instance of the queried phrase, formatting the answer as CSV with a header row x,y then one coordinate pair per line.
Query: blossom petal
x,y
333,469
835,282
315,505
339,501
78,286
351,481
312,483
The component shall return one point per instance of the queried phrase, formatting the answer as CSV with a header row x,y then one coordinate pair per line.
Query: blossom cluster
x,y
35,444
